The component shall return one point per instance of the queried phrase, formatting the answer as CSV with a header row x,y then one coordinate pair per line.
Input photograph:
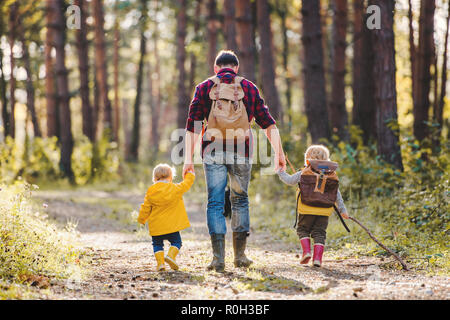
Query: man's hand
x,y
344,215
188,167
280,162
273,135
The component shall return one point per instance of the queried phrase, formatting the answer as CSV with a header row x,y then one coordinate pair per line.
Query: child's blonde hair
x,y
163,172
317,152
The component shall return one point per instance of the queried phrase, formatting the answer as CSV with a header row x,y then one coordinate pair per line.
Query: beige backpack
x,y
228,119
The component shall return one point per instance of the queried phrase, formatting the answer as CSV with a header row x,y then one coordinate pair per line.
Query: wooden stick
x,y
290,164
404,265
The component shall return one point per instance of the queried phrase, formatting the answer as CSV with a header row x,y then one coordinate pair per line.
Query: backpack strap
x,y
215,79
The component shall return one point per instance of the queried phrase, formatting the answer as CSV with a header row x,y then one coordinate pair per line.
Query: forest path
x,y
121,263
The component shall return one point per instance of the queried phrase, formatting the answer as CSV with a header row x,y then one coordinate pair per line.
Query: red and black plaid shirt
x,y
254,104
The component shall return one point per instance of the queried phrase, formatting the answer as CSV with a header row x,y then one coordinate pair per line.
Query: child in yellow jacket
x,y
164,210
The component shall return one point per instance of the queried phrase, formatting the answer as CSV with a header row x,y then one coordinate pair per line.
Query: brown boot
x,y
239,244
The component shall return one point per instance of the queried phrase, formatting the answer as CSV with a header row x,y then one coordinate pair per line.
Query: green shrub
x,y
29,244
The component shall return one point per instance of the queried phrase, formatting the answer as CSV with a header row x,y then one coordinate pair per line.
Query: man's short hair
x,y
226,58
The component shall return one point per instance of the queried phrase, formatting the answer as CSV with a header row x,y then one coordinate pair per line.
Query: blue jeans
x,y
238,168
173,238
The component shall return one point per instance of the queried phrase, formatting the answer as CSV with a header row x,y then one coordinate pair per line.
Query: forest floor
x,y
120,263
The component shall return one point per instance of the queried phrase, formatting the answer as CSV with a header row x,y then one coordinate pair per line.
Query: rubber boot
x,y
318,252
171,258
160,261
306,248
239,244
218,246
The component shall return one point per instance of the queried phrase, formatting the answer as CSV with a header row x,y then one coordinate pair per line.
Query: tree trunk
x,y
30,87
135,138
267,72
363,113
338,112
66,140
439,110
197,39
97,112
50,92
13,16
83,67
183,102
283,12
126,128
3,88
101,70
423,64
230,25
156,85
412,51
212,33
245,42
385,85
314,78
116,126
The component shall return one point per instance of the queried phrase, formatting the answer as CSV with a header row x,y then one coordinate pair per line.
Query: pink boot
x,y
318,252
306,247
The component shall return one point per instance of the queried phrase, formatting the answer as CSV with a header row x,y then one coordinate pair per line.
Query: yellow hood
x,y
162,193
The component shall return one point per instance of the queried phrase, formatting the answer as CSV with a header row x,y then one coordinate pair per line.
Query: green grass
x,y
31,247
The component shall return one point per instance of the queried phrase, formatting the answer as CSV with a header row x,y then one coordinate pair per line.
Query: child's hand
x,y
344,215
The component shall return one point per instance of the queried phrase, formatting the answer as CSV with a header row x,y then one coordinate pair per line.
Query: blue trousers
x,y
238,168
173,238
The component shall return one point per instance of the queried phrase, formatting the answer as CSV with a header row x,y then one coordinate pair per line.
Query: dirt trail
x,y
122,263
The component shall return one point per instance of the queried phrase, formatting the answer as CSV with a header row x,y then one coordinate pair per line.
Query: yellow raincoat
x,y
163,207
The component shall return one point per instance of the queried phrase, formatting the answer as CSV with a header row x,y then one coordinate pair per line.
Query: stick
x,y
340,218
404,265
290,164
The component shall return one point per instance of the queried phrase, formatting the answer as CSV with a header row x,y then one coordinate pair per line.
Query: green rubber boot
x,y
218,246
239,244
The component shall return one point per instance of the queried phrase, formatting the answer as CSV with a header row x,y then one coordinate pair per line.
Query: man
x,y
232,158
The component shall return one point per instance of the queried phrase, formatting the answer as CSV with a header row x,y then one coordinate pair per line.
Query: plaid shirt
x,y
254,104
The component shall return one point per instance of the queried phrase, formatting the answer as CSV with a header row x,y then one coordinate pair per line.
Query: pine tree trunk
x,y
363,113
245,42
101,70
197,39
13,16
283,12
97,111
385,85
50,92
30,87
116,126
412,51
212,33
313,72
267,72
3,88
183,102
439,110
135,137
423,64
155,80
83,67
230,25
338,112
66,140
